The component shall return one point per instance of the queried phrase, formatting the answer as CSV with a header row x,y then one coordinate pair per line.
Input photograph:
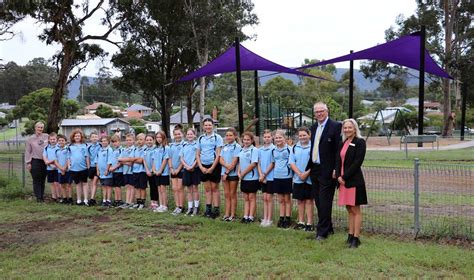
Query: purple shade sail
x,y
249,61
404,51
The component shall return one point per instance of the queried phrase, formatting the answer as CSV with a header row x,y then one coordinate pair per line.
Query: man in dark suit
x,y
325,139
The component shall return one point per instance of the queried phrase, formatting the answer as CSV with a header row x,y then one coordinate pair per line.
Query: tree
x,y
450,36
214,25
156,53
64,23
35,106
17,80
105,112
102,89
283,90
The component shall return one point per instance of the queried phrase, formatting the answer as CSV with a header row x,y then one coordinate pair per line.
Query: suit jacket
x,y
328,146
353,160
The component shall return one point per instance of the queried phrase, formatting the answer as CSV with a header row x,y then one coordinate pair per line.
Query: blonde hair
x,y
280,132
356,128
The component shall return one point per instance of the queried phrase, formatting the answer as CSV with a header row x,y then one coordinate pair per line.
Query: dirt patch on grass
x,y
42,231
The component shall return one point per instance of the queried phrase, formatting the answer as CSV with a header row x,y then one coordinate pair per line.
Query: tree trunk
x,y
202,94
447,50
58,92
189,107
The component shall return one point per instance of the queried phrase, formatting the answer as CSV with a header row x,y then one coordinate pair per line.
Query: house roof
x,y
183,118
91,122
138,107
96,105
6,106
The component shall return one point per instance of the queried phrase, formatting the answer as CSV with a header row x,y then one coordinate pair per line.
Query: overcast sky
x,y
288,32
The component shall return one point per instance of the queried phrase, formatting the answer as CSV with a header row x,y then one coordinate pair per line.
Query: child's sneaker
x,y
263,223
230,219
189,212
195,211
124,206
225,218
141,206
300,226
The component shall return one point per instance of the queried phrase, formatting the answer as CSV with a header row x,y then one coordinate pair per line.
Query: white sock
x,y
196,203
79,201
246,217
104,200
251,217
86,201
190,204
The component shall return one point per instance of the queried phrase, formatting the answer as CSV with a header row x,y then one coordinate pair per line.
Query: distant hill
x,y
360,82
74,87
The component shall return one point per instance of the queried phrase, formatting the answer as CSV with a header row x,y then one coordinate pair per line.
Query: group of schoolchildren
x,y
150,161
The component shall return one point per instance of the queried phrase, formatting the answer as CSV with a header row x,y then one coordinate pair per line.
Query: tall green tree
x,y
214,26
17,80
64,23
156,53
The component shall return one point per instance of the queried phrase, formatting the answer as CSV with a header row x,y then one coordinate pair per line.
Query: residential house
x,y
137,111
105,126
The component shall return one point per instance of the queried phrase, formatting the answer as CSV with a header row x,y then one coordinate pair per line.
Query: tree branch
x,y
89,14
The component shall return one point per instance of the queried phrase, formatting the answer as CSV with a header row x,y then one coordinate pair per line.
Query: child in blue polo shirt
x,y
248,174
78,166
103,162
92,150
301,180
176,169
161,169
228,160
148,164
62,156
209,149
49,153
126,161
191,178
265,171
282,177
139,174
117,170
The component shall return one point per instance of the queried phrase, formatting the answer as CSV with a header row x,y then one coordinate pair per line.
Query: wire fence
x,y
430,199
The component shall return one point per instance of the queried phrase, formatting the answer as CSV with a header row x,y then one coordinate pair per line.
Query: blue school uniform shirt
x,y
126,153
114,159
228,153
300,156
92,150
50,153
246,157
148,156
207,145
188,152
265,158
102,161
175,149
161,153
62,155
78,157
139,152
281,157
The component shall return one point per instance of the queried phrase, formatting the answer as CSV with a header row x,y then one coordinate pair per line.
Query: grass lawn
x,y
55,241
8,133
397,158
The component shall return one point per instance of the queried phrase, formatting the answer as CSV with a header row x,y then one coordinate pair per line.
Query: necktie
x,y
317,137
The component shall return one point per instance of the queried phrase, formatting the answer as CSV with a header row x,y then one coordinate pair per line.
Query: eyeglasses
x,y
320,111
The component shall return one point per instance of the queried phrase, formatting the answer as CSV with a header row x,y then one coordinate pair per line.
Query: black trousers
x,y
152,181
38,173
323,193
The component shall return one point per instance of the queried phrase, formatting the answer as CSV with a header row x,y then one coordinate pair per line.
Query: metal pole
x,y
421,83
279,112
417,196
463,108
239,85
257,105
351,87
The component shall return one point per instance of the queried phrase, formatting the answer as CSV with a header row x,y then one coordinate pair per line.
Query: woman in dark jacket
x,y
349,175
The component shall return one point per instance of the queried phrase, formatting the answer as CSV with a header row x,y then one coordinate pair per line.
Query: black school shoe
x,y
349,239
300,226
208,212
309,228
92,202
216,213
280,223
355,243
243,220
